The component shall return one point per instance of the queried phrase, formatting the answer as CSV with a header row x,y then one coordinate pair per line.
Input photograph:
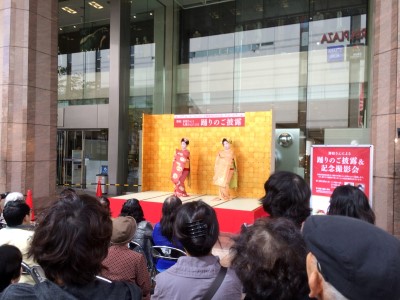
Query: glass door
x,y
69,157
81,155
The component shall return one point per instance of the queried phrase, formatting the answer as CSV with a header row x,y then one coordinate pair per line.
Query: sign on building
x,y
332,166
210,120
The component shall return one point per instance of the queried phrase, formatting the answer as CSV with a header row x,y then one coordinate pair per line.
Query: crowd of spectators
x,y
70,243
86,254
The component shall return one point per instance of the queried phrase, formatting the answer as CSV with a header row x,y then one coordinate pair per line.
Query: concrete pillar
x,y
119,93
28,84
385,113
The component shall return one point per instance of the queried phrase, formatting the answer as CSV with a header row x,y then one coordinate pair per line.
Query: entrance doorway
x,y
81,155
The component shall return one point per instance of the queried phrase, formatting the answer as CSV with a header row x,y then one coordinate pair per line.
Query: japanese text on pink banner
x,y
210,120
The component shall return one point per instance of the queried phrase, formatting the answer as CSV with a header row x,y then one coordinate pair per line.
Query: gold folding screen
x,y
252,145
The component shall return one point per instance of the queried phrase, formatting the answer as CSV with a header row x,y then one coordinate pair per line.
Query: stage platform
x,y
231,214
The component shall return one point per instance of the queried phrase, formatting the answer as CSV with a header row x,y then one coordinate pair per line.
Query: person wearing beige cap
x,y
123,264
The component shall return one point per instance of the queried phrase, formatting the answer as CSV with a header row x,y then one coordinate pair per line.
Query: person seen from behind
x,y
10,265
144,231
4,199
287,195
122,263
270,260
18,231
163,234
348,200
105,203
351,259
199,275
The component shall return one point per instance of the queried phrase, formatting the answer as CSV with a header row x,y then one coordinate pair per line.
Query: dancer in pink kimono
x,y
181,169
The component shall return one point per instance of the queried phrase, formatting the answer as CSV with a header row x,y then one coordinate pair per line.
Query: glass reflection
x,y
303,59
83,53
146,84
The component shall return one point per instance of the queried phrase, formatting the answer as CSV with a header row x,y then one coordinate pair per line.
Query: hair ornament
x,y
196,229
185,140
229,140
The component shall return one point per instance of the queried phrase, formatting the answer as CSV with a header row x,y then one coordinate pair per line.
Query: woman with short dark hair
x,y
10,265
132,208
105,203
350,201
269,257
163,234
144,231
68,225
70,243
287,195
196,227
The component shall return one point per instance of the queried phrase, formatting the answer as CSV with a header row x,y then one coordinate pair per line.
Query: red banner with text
x,y
210,120
332,166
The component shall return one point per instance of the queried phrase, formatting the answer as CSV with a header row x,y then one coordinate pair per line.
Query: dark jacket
x,y
144,237
96,290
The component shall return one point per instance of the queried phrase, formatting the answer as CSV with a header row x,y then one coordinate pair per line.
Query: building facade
x,y
78,75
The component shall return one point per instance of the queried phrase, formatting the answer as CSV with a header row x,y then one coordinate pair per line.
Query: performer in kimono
x,y
181,169
225,170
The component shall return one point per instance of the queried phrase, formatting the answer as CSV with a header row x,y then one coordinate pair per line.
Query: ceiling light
x,y
151,13
60,29
69,10
95,4
235,12
134,16
214,15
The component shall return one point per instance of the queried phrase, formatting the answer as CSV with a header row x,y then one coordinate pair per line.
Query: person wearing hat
x,y
7,197
351,259
123,264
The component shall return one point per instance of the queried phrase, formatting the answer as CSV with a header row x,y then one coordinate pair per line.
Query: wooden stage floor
x,y
231,214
